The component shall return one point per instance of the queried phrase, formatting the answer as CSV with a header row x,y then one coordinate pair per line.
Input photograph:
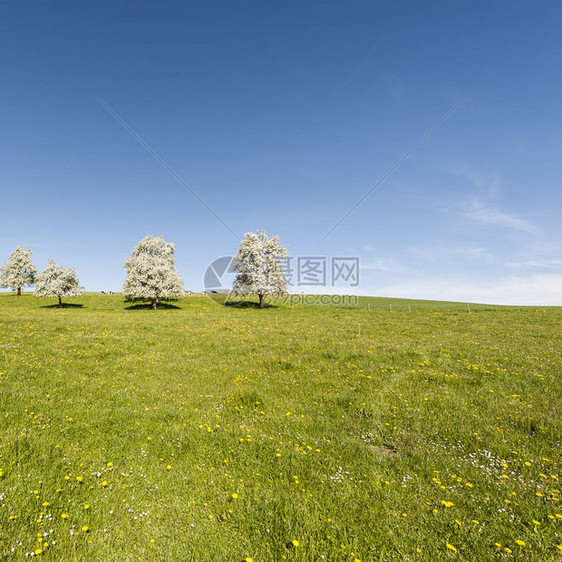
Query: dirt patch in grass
x,y
383,450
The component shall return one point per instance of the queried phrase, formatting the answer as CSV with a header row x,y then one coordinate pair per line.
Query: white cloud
x,y
488,189
500,218
439,254
490,186
377,265
538,290
553,264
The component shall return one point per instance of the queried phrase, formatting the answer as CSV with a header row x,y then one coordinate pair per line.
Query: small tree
x,y
151,272
259,264
58,282
19,272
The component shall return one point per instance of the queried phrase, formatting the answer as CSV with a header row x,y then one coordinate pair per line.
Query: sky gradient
x,y
282,116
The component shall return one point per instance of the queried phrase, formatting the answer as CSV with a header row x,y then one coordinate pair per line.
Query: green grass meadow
x,y
206,432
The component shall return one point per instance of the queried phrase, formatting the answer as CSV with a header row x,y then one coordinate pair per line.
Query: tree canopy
x,y
56,281
259,264
19,272
151,272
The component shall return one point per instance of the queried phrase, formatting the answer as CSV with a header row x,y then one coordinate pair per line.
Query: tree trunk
x,y
60,302
154,301
19,291
262,304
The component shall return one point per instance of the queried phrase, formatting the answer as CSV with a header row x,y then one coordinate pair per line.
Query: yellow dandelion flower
x,y
234,496
38,551
520,542
451,547
65,515
295,542
85,529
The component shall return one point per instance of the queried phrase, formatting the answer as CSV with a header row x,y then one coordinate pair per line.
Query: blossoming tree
x,y
259,265
151,272
19,272
58,282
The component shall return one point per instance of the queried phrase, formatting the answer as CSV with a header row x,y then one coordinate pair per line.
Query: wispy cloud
x,y
439,254
538,290
489,186
500,218
377,265
548,264
483,202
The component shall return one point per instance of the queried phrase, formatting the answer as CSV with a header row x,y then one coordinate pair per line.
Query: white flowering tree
x,y
19,272
151,272
58,282
259,264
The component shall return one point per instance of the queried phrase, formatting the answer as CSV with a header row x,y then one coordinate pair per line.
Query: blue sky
x,y
281,115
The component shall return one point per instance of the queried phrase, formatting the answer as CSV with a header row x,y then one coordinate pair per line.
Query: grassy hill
x,y
205,432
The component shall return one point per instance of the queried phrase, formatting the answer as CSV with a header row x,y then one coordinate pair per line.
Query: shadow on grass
x,y
247,304
148,306
64,305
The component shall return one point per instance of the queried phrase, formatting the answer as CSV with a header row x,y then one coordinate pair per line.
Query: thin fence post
x,y
390,308
369,305
409,309
275,320
468,307
359,330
